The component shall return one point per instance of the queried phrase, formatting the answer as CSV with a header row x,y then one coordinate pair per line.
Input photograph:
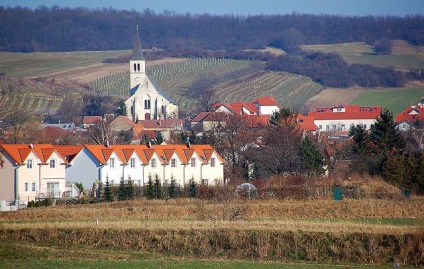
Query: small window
x,y
212,162
138,67
52,163
135,67
204,181
320,127
29,163
333,127
132,162
327,127
112,162
343,127
365,126
153,161
33,186
173,163
26,186
193,162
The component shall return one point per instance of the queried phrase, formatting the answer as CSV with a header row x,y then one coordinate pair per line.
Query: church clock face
x,y
137,79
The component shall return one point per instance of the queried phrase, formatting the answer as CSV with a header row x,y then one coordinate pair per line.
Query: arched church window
x,y
138,67
146,104
163,110
135,67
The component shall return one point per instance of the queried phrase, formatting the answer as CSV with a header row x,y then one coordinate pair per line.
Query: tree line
x,y
72,29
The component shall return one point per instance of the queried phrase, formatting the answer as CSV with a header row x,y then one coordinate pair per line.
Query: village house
x,y
31,171
411,117
339,118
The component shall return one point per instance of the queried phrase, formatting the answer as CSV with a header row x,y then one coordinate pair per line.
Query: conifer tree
x,y
157,188
108,191
150,189
122,190
192,192
172,189
312,159
130,189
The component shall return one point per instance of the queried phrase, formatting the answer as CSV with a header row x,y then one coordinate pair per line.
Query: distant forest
x,y
66,29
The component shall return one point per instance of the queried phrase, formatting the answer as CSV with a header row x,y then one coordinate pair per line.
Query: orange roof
x,y
411,114
68,152
306,122
20,152
266,101
101,153
91,119
351,112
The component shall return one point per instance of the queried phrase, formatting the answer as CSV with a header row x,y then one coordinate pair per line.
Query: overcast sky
x,y
244,7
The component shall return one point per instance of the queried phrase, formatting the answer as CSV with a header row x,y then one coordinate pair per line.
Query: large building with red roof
x,y
340,118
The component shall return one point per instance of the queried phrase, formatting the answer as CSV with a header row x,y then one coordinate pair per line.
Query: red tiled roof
x,y
306,122
91,119
266,101
411,114
53,133
351,112
68,152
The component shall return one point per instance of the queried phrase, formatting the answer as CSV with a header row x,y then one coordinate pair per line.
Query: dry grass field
x,y
376,231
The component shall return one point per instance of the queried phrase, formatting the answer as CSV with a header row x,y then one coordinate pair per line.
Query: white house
x,y
340,118
147,100
30,171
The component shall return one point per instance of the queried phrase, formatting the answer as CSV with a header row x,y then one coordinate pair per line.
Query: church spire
x,y
137,53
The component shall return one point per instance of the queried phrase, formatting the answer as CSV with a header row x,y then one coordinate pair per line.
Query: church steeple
x,y
137,62
137,53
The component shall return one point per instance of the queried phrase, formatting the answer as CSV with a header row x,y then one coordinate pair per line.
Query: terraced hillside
x,y
33,97
175,78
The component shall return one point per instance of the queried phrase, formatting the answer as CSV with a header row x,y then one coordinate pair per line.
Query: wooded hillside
x,y
65,29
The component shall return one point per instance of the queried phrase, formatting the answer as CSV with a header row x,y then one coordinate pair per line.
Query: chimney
x,y
188,142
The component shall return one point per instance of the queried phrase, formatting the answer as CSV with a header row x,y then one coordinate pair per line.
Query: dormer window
x,y
29,164
52,163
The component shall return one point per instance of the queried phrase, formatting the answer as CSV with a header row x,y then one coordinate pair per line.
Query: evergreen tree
x,y
386,140
108,191
192,191
384,135
157,188
122,190
150,189
159,138
172,189
312,159
359,149
130,189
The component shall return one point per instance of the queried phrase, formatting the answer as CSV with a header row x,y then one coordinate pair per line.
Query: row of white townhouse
x,y
43,170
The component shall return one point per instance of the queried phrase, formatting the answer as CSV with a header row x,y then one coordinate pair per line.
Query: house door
x,y
147,116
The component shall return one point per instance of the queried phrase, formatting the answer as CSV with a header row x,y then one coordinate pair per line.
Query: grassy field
x,y
362,53
184,233
396,100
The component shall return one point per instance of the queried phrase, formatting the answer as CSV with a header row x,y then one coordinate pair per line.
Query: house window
x,y
343,127
334,127
327,127
153,163
26,186
204,181
52,163
53,189
112,162
132,162
320,127
365,126
29,163
193,162
33,186
212,162
173,163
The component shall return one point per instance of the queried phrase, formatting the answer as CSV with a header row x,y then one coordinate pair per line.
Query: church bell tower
x,y
137,62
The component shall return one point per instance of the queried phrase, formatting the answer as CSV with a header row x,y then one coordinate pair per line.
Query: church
x,y
147,101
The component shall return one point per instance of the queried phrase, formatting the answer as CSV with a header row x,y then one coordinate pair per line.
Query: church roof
x,y
137,53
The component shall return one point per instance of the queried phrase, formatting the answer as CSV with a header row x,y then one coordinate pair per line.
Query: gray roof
x,y
137,53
